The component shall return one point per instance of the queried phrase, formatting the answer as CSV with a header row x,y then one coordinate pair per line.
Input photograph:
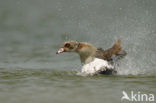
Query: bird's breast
x,y
95,66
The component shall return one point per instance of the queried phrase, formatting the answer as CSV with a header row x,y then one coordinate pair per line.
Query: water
x,y
31,31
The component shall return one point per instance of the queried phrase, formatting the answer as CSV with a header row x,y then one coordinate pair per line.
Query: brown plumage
x,y
88,52
107,54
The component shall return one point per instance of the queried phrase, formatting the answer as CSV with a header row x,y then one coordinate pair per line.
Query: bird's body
x,y
97,66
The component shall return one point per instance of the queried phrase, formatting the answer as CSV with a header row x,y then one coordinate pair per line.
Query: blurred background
x,y
31,31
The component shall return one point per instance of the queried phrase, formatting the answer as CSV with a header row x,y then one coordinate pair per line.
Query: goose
x,y
95,60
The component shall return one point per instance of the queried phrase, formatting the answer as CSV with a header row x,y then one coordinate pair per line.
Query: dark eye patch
x,y
67,45
71,47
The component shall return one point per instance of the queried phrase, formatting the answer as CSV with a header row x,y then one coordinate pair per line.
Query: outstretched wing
x,y
112,54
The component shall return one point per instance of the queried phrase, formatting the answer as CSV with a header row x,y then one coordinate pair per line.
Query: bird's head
x,y
70,46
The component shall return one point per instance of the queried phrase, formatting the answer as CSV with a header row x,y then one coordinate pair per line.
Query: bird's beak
x,y
60,51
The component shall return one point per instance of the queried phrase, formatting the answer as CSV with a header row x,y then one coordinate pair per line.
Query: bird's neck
x,y
87,53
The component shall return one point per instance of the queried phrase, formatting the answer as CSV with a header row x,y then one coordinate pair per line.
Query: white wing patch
x,y
95,66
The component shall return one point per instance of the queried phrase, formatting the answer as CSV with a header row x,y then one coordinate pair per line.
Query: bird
x,y
95,60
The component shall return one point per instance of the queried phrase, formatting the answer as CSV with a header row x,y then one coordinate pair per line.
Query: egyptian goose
x,y
94,60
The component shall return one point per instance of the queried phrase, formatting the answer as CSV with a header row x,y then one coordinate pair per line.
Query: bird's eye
x,y
67,45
